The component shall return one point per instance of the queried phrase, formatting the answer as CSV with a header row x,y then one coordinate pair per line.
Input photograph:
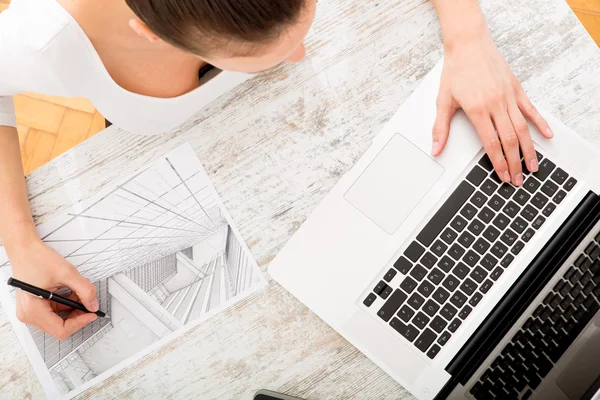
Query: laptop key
x,y
538,222
559,196
489,261
528,235
425,288
390,275
498,249
438,324
439,248
440,295
450,283
506,190
529,212
392,305
518,246
431,307
424,341
549,209
420,320
446,212
454,325
408,285
403,265
544,170
486,215
476,227
458,223
458,299
456,251
464,313
475,299
446,264
549,188
496,203
468,286
481,246
418,273
449,235
518,225
509,237
539,200
476,176
486,286
416,301
386,292
489,187
428,260
436,276
478,199
406,313
433,351
570,184
448,311
369,300
444,337
408,331
491,234
501,221
496,273
521,197
466,239
531,184
486,163
380,287
471,258
414,251
511,209
461,270
478,274
559,176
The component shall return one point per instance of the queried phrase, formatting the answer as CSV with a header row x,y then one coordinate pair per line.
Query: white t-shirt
x,y
44,50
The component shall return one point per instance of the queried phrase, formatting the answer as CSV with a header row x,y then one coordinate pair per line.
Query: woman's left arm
x,y
477,78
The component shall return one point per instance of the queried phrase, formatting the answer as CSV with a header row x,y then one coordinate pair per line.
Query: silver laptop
x,y
455,284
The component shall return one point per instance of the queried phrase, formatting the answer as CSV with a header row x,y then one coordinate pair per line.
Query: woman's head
x,y
241,35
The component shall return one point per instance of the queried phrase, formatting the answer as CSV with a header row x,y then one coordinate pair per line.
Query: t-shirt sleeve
x,y
13,54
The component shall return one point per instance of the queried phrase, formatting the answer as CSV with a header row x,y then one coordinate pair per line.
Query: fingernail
x,y
519,179
435,147
95,306
506,176
549,132
533,165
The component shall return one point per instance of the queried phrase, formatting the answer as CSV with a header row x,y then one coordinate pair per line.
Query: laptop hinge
x,y
535,277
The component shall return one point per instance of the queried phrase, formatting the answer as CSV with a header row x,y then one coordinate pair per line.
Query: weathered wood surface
x,y
273,148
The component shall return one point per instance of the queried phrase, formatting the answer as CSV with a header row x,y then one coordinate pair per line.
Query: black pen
x,y
44,294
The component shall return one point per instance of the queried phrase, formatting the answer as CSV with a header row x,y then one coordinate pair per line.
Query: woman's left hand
x,y
477,78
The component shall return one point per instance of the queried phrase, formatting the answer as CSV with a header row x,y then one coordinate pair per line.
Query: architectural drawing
x,y
163,255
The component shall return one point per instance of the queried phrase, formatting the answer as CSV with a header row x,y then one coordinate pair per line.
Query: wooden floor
x,y
49,126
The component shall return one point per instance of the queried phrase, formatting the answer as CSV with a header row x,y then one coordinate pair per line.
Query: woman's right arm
x,y
31,260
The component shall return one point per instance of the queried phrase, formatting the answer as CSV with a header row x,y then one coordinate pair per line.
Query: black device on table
x,y
269,395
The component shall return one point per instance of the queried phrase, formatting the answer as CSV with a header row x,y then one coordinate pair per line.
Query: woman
x,y
132,57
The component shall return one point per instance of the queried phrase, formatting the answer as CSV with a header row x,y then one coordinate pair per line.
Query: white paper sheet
x,y
164,256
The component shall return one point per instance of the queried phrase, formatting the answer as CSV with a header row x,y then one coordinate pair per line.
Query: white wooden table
x,y
273,148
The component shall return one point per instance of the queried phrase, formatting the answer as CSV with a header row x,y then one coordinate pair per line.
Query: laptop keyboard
x,y
545,336
464,249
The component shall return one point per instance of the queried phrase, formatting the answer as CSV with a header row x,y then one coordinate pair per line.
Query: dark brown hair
x,y
205,26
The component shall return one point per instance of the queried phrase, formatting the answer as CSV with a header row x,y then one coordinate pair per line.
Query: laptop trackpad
x,y
394,183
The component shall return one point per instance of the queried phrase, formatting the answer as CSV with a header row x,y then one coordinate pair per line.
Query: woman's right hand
x,y
36,263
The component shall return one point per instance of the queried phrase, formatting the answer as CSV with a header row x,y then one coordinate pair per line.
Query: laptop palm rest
x,y
394,183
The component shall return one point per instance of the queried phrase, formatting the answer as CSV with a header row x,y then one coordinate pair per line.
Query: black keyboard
x,y
464,249
554,325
